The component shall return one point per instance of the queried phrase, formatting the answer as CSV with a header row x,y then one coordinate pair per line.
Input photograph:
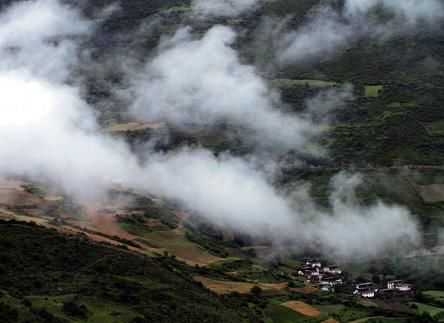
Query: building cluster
x,y
394,288
366,290
326,276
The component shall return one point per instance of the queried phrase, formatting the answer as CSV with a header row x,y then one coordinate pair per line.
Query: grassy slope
x,y
41,269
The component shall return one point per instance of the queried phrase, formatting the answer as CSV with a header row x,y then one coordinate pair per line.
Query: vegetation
x,y
47,277
391,131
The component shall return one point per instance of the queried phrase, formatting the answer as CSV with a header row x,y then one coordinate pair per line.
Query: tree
x,y
376,279
256,290
72,308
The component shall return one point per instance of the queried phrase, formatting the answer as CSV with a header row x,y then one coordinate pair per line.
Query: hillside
x,y
221,161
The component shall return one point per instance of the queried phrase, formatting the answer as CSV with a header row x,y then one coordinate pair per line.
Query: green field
x,y
281,314
42,269
433,311
436,128
97,310
311,83
435,296
373,90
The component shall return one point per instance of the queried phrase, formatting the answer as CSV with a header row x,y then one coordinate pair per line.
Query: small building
x,y
370,293
314,278
327,288
333,270
364,286
366,290
399,285
313,263
404,288
393,284
331,280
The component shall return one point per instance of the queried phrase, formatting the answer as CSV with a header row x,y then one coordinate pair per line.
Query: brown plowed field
x,y
302,308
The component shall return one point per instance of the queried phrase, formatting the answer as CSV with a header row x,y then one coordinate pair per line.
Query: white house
x,y
393,284
333,270
314,263
404,287
327,288
368,293
364,286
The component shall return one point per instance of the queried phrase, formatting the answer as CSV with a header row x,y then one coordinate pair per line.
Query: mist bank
x,y
329,30
202,81
224,8
50,134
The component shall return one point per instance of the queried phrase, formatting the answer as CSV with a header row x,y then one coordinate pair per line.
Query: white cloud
x,y
48,132
328,31
203,82
35,35
223,7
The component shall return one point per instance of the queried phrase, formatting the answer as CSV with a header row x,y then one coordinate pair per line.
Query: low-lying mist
x,y
329,30
49,133
223,8
203,82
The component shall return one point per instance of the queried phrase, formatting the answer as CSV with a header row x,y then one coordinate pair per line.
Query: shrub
x,y
72,308
256,290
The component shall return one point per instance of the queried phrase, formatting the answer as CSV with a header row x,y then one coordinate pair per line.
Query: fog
x,y
233,194
203,82
328,31
39,36
50,134
227,8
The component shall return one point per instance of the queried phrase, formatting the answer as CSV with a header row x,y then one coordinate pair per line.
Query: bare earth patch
x,y
225,287
153,223
330,321
135,126
175,243
12,193
103,222
432,193
302,308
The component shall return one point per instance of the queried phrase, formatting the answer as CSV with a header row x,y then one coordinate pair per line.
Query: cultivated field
x,y
12,193
175,243
305,290
225,287
432,193
436,295
302,308
311,83
434,311
135,126
372,90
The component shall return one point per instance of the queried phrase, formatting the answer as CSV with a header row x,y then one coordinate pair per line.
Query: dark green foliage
x,y
8,314
73,308
256,290
39,261
154,209
215,247
245,270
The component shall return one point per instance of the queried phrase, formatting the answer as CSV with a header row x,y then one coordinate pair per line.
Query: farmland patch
x,y
432,193
302,308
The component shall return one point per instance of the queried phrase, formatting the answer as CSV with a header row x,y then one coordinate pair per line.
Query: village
x,y
330,277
